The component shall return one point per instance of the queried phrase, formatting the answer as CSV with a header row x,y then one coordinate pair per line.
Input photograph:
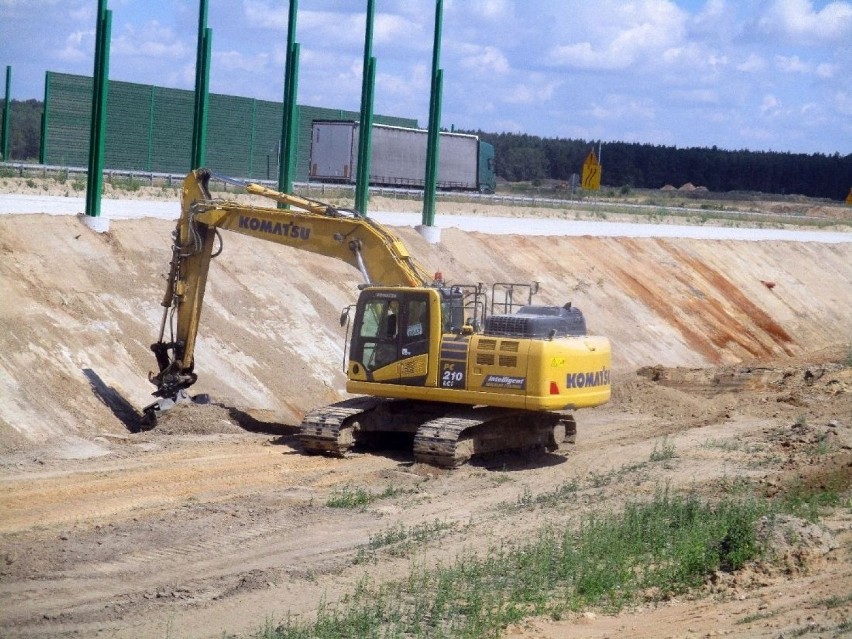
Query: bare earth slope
x,y
215,520
80,310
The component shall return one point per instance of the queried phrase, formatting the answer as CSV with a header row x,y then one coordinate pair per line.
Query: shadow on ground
x,y
123,410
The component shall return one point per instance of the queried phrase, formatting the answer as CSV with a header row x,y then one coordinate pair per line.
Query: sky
x,y
758,75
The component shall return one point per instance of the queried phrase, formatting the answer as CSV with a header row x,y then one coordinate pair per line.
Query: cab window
x,y
414,338
379,332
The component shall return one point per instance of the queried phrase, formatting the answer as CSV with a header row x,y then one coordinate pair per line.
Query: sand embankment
x,y
79,311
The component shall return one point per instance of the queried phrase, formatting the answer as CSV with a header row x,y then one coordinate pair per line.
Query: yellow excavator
x,y
426,359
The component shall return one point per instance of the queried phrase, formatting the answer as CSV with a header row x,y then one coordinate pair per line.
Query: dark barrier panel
x,y
149,128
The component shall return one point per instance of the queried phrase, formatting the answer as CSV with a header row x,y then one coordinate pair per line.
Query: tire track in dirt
x,y
290,545
133,486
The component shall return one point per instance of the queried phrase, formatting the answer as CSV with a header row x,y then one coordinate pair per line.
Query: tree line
x,y
24,129
521,157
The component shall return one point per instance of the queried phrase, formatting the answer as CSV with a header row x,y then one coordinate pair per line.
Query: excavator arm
x,y
307,225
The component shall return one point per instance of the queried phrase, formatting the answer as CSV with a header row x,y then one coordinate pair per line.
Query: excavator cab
x,y
396,332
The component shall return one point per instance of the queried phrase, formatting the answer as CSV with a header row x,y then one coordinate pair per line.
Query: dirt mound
x,y
638,395
188,418
793,542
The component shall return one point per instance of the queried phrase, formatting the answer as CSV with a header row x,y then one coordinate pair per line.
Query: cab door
x,y
390,341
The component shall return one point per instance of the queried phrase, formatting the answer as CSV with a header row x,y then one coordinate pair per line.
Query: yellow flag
x,y
849,198
591,173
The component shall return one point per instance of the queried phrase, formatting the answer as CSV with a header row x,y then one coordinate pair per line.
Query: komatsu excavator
x,y
426,359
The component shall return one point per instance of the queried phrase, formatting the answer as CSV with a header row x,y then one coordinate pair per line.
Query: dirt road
x,y
216,522
202,527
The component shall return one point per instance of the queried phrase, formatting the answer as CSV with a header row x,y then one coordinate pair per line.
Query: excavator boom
x,y
308,225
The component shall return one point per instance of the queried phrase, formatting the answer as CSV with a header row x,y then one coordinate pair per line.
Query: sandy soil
x,y
215,521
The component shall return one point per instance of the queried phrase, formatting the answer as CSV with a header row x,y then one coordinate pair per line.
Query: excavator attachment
x,y
152,412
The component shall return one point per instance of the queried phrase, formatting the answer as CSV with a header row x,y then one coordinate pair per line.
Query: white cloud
x,y
752,64
798,21
265,15
389,28
491,9
842,102
826,70
634,33
17,8
534,93
623,107
791,64
345,30
78,47
697,96
485,59
763,137
509,126
152,40
770,105
717,20
417,82
238,61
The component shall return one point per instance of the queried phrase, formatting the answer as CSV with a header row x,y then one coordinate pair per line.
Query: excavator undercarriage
x,y
443,434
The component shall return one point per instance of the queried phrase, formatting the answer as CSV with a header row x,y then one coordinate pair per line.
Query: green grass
x,y
129,183
565,492
758,616
419,534
820,630
358,497
664,452
349,497
835,601
648,551
809,502
401,541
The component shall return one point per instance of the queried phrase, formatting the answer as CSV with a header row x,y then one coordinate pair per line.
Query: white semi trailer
x,y
398,157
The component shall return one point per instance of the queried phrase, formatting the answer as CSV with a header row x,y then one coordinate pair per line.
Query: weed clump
x,y
650,550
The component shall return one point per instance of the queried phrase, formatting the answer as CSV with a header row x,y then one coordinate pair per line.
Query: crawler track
x,y
445,435
454,439
330,429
